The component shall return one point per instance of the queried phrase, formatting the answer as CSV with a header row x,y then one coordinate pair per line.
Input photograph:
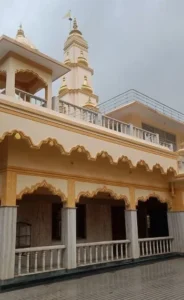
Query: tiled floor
x,y
158,281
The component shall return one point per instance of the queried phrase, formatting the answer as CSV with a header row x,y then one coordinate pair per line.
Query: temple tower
x,y
76,86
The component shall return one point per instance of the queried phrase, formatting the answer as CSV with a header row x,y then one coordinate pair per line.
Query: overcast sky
x,y
132,43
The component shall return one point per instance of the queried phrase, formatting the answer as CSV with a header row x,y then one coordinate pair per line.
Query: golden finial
x,y
90,105
82,59
85,80
75,26
86,87
20,31
67,60
63,87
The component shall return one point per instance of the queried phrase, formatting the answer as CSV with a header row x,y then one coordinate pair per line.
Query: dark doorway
x,y
118,223
152,219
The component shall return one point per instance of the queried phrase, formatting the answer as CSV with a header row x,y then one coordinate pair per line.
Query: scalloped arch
x,y
125,159
158,167
103,189
45,184
160,198
104,154
82,149
143,163
22,70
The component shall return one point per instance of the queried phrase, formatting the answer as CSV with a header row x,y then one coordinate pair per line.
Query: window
x,y
81,221
56,221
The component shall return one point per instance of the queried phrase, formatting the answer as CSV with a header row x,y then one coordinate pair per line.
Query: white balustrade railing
x,y
167,145
155,246
102,252
110,123
115,125
27,97
38,259
145,135
78,112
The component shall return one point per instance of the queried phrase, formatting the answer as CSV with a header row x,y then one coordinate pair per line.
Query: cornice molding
x,y
76,91
80,65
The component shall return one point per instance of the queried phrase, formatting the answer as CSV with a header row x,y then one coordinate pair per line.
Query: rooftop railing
x,y
27,97
110,123
133,95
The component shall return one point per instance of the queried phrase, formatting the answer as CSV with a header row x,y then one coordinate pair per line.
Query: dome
x,y
20,37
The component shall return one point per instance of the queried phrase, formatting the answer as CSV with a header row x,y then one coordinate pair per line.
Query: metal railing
x,y
102,252
109,123
38,259
133,95
155,246
22,95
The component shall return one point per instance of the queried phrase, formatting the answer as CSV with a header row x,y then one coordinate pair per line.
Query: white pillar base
x,y
8,220
69,237
132,232
176,230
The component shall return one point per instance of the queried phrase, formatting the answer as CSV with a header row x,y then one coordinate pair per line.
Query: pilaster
x,y
9,179
176,230
69,237
8,219
10,79
132,232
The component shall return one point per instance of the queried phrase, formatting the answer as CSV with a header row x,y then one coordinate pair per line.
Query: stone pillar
x,y
55,103
48,94
69,236
176,230
132,232
10,79
8,220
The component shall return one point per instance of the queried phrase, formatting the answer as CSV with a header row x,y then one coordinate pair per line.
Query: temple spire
x,y
75,28
20,31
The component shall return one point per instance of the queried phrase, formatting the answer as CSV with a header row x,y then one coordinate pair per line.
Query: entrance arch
x,y
40,211
152,218
102,216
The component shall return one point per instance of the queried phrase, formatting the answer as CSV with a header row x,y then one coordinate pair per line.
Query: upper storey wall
x,y
40,126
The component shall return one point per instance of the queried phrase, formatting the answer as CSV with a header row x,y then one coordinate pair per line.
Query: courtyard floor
x,y
157,281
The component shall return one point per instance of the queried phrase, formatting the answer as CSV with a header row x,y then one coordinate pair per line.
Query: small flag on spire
x,y
68,16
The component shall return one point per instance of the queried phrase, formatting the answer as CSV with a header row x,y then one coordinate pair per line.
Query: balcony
x,y
99,119
93,117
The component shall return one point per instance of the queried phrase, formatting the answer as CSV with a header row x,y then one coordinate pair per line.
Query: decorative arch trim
x,y
103,189
81,149
32,72
160,198
45,184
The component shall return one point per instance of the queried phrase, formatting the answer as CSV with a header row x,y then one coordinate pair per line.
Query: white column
x,y
69,237
55,103
176,230
8,220
132,232
48,95
10,79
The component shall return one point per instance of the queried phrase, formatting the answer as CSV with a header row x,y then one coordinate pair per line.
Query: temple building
x,y
84,184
